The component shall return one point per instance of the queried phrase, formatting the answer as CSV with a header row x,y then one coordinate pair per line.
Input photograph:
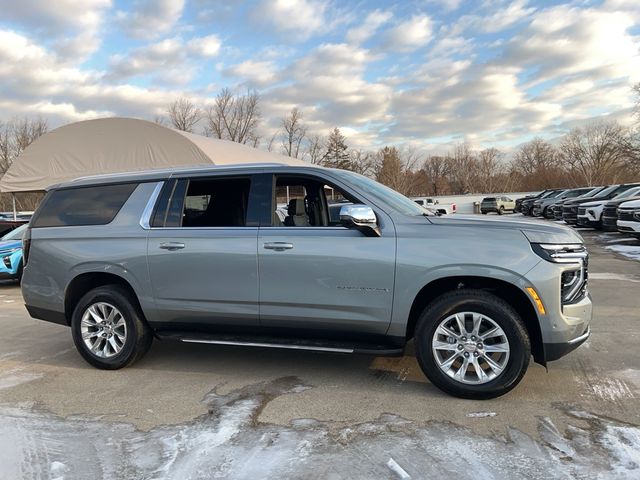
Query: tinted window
x,y
220,202
97,205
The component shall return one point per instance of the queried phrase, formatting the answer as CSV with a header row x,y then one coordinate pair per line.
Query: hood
x,y
593,203
535,230
615,203
10,244
630,203
580,201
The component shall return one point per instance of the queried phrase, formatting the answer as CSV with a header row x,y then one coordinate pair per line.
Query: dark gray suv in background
x,y
200,255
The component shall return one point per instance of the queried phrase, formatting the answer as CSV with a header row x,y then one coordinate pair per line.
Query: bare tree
x,y
5,147
294,133
636,111
234,117
17,135
184,114
595,153
537,163
489,165
436,171
395,169
363,162
463,166
315,149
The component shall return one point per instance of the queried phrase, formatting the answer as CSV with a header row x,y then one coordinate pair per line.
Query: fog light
x,y
7,261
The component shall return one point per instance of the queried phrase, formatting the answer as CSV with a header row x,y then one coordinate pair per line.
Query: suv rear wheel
x,y
108,329
472,344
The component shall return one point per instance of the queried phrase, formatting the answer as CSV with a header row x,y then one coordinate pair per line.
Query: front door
x,y
316,275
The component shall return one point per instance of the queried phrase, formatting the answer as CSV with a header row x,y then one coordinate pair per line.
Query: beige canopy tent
x,y
113,145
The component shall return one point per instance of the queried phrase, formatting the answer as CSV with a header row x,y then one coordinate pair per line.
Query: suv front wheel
x,y
108,329
472,344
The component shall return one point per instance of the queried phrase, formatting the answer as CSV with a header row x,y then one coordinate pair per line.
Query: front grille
x,y
625,215
610,221
610,212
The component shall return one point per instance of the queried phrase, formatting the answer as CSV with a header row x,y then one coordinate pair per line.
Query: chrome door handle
x,y
171,246
278,246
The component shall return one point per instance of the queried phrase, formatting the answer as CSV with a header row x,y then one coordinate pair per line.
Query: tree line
x,y
602,152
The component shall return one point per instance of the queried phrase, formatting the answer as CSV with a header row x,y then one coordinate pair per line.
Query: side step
x,y
286,343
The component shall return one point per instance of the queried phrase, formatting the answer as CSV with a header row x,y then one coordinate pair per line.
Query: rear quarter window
x,y
96,205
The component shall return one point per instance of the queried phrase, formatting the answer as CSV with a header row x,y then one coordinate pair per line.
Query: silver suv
x,y
200,255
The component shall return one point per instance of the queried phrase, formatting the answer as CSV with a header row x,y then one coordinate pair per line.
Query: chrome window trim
x,y
145,219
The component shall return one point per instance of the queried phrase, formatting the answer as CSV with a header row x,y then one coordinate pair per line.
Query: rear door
x,y
202,253
316,275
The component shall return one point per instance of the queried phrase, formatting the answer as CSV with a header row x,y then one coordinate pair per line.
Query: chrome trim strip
x,y
270,345
148,210
582,337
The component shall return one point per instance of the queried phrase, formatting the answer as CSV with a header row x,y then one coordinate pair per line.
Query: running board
x,y
289,343
271,345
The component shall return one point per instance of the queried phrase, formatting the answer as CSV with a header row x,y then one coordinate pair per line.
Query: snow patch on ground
x,y
230,443
629,251
16,377
481,414
614,276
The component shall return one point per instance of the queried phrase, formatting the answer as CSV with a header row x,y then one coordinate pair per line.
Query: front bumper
x,y
584,221
563,325
554,351
626,226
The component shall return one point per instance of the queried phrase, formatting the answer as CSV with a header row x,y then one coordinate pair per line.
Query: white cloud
x,y
208,46
71,26
254,72
171,61
149,19
410,35
301,18
371,24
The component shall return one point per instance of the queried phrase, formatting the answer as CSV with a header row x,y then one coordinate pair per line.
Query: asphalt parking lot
x,y
198,411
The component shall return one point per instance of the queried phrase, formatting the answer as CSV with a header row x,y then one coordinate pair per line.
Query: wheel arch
x,y
84,282
508,292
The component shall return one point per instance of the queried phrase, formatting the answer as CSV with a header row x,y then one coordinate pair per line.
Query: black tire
x,y
18,276
500,312
501,211
138,337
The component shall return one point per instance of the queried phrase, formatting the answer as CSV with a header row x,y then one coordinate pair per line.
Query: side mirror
x,y
360,217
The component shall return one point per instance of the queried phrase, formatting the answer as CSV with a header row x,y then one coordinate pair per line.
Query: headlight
x,y
636,215
573,281
560,253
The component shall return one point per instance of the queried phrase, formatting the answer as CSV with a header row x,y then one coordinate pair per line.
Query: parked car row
x,y
612,208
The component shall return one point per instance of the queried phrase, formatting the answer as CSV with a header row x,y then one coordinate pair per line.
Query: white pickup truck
x,y
441,208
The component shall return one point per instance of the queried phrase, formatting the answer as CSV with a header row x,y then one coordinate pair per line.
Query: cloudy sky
x,y
425,72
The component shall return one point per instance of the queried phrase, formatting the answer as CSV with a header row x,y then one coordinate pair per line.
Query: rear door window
x,y
95,205
209,202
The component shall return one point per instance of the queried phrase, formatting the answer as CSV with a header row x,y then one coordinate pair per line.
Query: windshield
x,y
551,194
592,192
385,195
629,193
606,191
15,234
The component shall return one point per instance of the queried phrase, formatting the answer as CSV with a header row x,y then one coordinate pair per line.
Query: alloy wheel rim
x,y
103,329
470,348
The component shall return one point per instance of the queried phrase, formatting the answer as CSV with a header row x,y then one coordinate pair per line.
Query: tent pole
x,y
13,200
